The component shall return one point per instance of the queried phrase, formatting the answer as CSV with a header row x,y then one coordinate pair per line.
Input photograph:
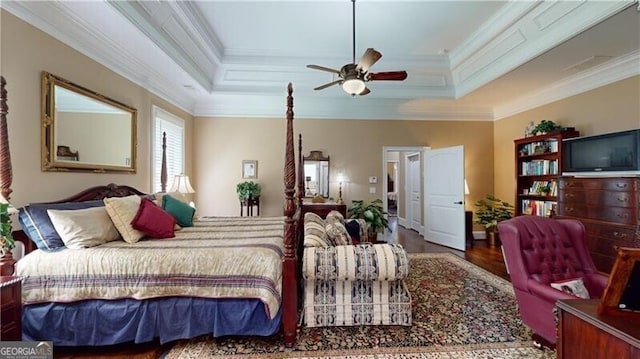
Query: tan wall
x,y
355,148
611,108
25,53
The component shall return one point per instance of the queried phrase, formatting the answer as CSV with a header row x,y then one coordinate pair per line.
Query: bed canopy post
x,y
300,178
290,261
163,169
6,176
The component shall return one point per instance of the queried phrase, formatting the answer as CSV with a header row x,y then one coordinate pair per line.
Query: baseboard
x,y
479,235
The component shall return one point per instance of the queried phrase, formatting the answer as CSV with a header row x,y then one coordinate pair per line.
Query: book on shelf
x,y
538,207
540,167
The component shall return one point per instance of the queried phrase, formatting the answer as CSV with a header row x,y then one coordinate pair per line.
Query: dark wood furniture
x,y
609,209
249,204
468,228
538,165
322,209
582,333
10,308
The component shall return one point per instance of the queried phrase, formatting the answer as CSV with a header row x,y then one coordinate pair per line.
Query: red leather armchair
x,y
539,251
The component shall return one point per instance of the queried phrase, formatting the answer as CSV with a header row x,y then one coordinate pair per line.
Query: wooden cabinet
x,y
322,209
609,208
10,308
538,165
584,334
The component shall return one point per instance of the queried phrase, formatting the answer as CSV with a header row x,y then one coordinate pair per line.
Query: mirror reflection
x,y
316,174
85,131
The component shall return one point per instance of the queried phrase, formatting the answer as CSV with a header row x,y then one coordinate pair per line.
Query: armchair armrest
x,y
380,262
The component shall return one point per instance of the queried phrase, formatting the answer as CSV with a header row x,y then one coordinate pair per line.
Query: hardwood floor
x,y
489,258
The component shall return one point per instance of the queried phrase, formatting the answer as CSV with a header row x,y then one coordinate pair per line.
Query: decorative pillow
x,y
38,227
153,220
158,196
337,233
182,212
353,228
335,216
311,217
82,228
122,211
572,286
315,235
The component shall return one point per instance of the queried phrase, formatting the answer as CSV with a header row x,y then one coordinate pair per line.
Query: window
x,y
173,126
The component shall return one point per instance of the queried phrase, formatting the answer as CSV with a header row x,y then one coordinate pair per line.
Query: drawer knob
x,y
570,209
621,185
622,215
622,199
619,235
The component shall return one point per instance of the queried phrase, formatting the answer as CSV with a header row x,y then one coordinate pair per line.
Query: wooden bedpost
x,y
163,169
6,174
290,261
300,172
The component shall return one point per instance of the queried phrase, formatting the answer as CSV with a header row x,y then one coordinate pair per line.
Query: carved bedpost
x,y
6,174
163,169
300,172
290,261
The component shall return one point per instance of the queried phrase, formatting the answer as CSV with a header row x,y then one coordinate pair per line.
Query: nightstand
x,y
10,308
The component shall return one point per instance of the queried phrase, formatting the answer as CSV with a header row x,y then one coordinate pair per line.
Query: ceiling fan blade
x,y
322,68
366,91
322,87
387,76
370,57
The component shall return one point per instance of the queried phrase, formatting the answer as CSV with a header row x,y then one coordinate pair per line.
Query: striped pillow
x,y
315,235
337,233
335,216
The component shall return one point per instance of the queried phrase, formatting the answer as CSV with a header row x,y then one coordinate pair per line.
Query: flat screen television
x,y
615,153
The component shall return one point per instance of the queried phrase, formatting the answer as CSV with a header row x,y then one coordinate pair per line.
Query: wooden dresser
x,y
584,334
609,208
322,209
10,308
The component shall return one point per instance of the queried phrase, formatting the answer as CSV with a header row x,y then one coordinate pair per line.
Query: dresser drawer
x,y
609,184
614,214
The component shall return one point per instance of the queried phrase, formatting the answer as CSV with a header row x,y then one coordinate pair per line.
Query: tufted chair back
x,y
539,251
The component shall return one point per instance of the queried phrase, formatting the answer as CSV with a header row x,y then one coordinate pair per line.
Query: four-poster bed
x,y
137,317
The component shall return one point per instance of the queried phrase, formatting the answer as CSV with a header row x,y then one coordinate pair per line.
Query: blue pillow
x,y
182,212
36,224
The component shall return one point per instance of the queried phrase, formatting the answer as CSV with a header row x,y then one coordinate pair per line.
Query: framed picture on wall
x,y
249,169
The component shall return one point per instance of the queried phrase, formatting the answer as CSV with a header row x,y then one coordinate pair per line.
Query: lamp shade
x,y
181,184
353,86
466,187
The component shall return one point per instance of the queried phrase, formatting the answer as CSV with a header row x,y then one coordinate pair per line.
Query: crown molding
x,y
617,69
526,32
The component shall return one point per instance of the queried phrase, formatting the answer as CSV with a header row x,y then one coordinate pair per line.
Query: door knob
x,y
459,202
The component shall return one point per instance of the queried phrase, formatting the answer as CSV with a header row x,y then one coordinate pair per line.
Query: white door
x,y
444,197
414,193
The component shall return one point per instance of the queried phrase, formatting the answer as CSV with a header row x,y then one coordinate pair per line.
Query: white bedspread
x,y
223,257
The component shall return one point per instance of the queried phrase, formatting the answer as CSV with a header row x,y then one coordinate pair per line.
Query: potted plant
x,y
545,126
248,190
372,213
490,211
7,242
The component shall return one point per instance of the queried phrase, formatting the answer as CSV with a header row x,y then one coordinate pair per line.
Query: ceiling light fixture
x,y
353,85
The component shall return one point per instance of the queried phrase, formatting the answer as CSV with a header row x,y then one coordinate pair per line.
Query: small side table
x,y
250,203
10,308
468,226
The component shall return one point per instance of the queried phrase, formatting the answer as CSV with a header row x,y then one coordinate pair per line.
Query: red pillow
x,y
153,220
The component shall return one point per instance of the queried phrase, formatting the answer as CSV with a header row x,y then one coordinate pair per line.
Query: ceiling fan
x,y
353,76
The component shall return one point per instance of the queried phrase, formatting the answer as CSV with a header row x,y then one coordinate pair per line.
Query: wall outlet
x,y
372,189
373,179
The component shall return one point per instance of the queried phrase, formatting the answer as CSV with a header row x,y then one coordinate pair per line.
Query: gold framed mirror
x,y
84,131
316,174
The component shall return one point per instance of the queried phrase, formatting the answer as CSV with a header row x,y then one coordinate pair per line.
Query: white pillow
x,y
82,228
572,286
122,210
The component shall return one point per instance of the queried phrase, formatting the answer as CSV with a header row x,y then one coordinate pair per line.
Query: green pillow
x,y
182,212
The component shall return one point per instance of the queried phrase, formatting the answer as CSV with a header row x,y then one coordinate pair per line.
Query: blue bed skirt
x,y
105,322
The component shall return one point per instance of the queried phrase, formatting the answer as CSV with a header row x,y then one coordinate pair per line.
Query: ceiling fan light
x,y
353,86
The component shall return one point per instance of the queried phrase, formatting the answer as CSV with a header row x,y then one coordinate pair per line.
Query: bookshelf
x,y
538,165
